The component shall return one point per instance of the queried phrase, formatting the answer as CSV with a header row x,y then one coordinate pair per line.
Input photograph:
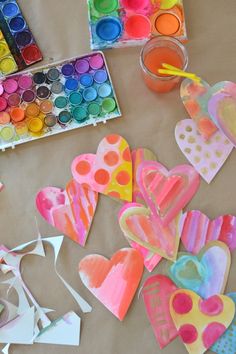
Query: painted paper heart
x,y
71,210
167,192
198,230
207,273
156,293
227,343
207,157
113,282
142,227
195,97
109,171
222,108
200,323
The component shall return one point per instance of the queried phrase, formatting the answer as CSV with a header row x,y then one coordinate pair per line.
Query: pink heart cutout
x,y
70,210
167,192
207,157
156,293
198,230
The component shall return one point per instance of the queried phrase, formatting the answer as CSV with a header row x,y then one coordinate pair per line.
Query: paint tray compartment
x,y
54,99
18,48
120,23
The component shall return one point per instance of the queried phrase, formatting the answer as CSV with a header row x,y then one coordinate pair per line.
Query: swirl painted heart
x,y
156,293
165,192
206,273
200,323
198,230
207,157
222,108
109,171
71,210
113,282
142,227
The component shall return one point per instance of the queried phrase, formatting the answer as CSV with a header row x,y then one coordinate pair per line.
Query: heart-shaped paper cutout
x,y
200,323
71,210
198,230
227,343
113,282
142,227
222,108
156,292
206,273
195,97
109,171
167,192
207,157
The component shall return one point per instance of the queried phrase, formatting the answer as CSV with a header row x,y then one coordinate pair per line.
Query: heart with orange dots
x,y
109,171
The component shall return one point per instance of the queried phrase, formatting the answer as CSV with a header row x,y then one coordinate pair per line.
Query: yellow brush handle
x,y
180,73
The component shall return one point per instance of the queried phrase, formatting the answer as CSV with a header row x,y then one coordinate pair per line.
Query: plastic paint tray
x,y
18,48
120,23
57,98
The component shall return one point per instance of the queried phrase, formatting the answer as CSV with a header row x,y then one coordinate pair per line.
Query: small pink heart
x,y
156,292
198,230
167,192
70,210
109,171
207,157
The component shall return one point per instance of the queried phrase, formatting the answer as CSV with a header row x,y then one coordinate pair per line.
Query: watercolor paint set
x,y
18,48
122,23
56,98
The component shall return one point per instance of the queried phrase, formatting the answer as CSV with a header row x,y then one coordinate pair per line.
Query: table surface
x,y
61,29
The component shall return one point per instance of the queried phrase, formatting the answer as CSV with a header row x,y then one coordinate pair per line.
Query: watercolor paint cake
x,y
54,99
119,23
18,48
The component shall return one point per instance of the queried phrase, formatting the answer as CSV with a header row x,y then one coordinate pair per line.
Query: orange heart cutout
x,y
200,323
109,171
115,281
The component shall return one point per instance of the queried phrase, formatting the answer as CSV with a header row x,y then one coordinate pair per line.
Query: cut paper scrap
x,y
64,331
113,282
198,230
138,156
207,273
207,157
167,192
227,343
109,171
195,97
156,293
142,227
71,210
222,108
200,323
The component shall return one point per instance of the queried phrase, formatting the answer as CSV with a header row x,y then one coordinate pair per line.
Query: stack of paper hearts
x,y
210,136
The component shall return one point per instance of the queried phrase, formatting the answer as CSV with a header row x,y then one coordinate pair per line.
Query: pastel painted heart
x,y
167,192
156,293
200,323
207,273
113,282
222,108
109,171
207,157
198,230
195,97
227,342
70,210
142,227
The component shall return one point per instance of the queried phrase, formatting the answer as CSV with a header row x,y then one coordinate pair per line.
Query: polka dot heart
x,y
109,171
200,323
207,157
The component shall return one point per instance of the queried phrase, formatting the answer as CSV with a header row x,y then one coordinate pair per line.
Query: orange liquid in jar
x,y
153,61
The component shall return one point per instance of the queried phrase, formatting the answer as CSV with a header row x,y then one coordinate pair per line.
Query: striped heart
x,y
71,210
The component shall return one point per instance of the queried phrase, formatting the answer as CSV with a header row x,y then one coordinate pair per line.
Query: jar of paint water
x,y
159,50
